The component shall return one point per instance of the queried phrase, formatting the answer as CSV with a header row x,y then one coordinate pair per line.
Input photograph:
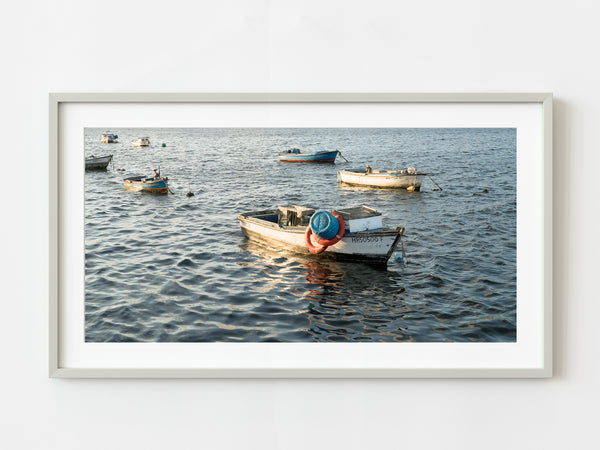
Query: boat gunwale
x,y
322,152
142,180
302,229
389,173
98,158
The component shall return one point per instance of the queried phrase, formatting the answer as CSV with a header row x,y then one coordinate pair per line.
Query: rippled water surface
x,y
176,268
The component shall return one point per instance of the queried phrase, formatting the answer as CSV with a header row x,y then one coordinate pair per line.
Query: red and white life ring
x,y
314,249
322,244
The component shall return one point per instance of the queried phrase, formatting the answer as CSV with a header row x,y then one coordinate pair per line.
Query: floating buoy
x,y
164,145
485,191
189,192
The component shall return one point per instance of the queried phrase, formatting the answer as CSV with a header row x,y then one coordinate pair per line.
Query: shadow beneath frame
x,y
563,124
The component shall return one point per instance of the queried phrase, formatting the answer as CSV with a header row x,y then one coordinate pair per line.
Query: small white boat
x,y
141,142
363,237
98,162
109,138
408,179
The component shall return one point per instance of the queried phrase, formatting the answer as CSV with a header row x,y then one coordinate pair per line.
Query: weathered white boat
x,y
405,179
141,142
363,237
109,138
98,162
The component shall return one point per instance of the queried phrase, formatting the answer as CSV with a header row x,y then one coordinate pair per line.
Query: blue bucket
x,y
324,225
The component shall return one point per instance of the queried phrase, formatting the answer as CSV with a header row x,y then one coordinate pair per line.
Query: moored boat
x,y
295,155
408,179
98,162
153,184
347,234
141,142
109,138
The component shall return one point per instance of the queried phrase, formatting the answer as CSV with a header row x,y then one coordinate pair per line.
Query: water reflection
x,y
341,301
325,274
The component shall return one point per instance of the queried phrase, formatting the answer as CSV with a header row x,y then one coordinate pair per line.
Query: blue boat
x,y
295,155
153,184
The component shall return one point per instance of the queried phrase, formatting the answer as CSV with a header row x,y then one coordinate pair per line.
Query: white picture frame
x,y
529,357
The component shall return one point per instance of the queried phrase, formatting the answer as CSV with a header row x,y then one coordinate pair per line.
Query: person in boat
x,y
368,169
156,173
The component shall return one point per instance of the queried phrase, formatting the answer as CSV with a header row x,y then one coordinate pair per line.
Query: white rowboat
x,y
141,142
365,238
404,179
98,162
109,138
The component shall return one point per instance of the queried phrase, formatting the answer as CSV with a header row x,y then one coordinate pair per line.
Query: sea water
x,y
173,268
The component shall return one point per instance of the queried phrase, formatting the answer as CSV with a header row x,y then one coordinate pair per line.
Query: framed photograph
x,y
300,235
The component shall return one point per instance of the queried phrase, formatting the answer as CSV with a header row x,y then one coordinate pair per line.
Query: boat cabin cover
x,y
359,218
294,216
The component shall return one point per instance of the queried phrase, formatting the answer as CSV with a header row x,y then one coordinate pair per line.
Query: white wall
x,y
302,46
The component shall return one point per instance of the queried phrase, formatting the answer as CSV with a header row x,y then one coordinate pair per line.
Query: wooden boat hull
x,y
147,184
394,179
99,163
321,157
371,246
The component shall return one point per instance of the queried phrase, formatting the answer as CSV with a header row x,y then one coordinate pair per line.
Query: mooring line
x,y
343,156
435,182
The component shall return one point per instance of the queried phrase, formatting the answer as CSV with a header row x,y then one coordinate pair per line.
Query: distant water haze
x,y
173,268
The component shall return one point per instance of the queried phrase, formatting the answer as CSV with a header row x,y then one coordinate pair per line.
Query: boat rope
x,y
403,254
435,182
343,156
